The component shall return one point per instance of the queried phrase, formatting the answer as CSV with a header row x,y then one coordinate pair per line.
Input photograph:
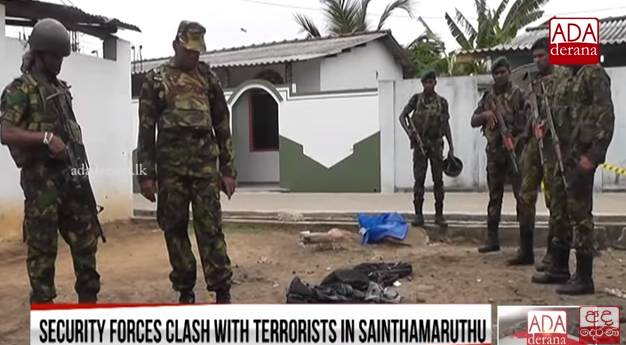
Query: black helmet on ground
x,y
452,166
50,36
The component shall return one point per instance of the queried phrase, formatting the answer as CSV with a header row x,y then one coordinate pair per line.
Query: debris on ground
x,y
333,235
620,243
384,226
332,240
364,283
615,292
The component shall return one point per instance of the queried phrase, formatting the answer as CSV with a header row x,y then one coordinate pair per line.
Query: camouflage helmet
x,y
50,36
452,166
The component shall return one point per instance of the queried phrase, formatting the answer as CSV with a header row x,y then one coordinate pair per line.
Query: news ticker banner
x,y
552,325
261,324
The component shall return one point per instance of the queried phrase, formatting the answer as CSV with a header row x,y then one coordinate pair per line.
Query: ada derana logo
x,y
546,327
599,325
574,41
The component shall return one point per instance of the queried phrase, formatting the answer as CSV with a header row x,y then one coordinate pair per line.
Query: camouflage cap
x,y
191,35
429,74
500,62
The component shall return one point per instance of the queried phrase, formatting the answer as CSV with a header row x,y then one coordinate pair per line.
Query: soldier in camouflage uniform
x,y
508,101
32,131
533,169
184,100
585,121
431,119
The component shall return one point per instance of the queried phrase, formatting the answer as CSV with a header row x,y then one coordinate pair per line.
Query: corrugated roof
x,y
288,51
28,12
612,31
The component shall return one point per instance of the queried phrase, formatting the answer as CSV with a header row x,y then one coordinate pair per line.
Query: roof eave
x,y
400,54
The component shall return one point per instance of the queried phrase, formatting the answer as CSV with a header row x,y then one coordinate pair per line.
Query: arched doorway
x,y
256,135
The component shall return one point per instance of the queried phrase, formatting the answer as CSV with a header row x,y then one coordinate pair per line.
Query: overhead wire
x,y
406,16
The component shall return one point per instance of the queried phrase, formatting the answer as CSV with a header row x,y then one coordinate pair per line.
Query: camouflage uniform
x,y
585,122
532,169
509,102
430,116
50,199
191,116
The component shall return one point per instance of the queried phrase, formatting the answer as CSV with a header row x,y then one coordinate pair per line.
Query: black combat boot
x,y
187,297
493,243
222,296
547,258
87,299
582,281
525,255
440,220
557,271
419,215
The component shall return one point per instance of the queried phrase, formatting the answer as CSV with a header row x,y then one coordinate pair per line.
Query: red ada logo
x,y
574,41
547,327
599,325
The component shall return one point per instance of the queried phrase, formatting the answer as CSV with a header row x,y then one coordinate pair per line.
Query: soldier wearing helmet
x,y
29,115
184,99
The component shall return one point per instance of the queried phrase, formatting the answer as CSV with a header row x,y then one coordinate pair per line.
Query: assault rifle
x,y
555,137
416,139
507,138
77,162
535,119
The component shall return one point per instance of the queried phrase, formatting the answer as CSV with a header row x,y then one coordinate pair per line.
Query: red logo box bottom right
x,y
599,325
551,325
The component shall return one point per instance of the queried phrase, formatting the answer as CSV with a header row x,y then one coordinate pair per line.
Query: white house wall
x,y
305,74
462,94
360,68
102,103
330,142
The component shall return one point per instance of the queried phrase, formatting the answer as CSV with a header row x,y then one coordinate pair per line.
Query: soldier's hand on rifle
x,y
57,148
585,163
491,118
509,143
148,190
539,129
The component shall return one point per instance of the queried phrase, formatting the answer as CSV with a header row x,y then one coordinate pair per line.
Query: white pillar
x,y
387,116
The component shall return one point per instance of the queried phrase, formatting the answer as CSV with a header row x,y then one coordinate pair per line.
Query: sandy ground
x,y
134,268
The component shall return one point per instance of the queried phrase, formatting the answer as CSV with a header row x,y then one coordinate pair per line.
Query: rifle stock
x,y
555,137
534,108
77,162
416,139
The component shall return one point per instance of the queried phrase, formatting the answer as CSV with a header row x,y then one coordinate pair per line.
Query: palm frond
x,y
405,5
500,10
520,13
467,26
481,11
363,22
307,25
457,33
342,16
427,30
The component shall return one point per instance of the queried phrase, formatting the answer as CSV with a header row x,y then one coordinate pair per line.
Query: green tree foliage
x,y
349,16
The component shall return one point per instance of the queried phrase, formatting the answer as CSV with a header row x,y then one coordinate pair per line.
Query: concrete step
x,y
351,216
458,231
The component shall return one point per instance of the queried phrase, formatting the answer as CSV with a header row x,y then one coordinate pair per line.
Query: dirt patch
x,y
134,268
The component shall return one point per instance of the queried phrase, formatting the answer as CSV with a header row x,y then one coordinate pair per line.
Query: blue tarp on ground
x,y
376,227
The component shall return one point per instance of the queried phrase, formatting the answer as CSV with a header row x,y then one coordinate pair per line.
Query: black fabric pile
x,y
364,283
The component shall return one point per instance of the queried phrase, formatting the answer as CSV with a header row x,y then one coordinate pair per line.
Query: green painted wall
x,y
358,173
